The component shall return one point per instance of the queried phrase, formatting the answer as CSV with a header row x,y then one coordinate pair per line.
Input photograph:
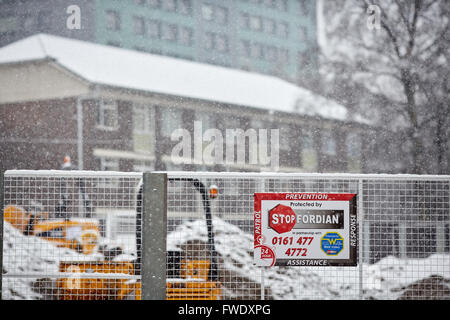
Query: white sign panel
x,y
305,229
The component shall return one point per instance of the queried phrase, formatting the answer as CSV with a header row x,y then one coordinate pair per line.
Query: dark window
x,y
170,32
221,43
170,5
271,53
245,48
283,30
245,20
186,36
221,15
154,3
112,20
269,26
185,7
154,29
139,25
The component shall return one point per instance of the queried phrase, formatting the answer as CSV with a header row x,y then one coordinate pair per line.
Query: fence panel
x,y
63,227
403,250
403,239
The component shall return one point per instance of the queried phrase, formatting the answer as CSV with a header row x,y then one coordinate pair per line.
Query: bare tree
x,y
395,66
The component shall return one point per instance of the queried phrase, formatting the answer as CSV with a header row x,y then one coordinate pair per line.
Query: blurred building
x,y
276,37
115,109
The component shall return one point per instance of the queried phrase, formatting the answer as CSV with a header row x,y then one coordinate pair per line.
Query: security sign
x,y
305,229
282,218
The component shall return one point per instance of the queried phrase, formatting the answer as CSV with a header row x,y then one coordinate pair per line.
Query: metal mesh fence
x,y
403,240
69,235
403,250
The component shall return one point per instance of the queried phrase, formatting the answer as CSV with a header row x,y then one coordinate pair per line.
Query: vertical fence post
x,y
154,234
261,188
1,230
360,215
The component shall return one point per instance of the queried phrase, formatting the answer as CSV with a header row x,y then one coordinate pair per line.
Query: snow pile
x,y
30,255
387,279
390,278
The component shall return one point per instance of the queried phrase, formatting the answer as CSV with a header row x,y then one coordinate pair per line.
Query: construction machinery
x,y
108,278
187,279
81,235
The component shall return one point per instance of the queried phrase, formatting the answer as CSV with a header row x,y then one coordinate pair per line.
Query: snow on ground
x,y
387,279
29,254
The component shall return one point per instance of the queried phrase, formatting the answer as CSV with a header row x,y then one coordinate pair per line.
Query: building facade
x,y
276,37
50,107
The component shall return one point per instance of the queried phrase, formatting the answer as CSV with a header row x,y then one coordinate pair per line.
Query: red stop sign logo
x,y
282,218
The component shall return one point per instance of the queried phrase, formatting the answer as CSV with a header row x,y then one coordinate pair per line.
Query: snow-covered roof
x,y
107,65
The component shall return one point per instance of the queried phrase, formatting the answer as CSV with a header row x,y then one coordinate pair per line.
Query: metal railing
x,y
403,230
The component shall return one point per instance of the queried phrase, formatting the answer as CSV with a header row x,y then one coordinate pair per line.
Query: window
x,y
305,59
271,53
283,56
206,119
221,15
256,50
283,5
171,120
170,5
303,34
143,166
221,43
304,9
28,22
270,3
215,41
108,164
245,20
43,19
208,41
285,137
269,26
9,24
155,4
308,155
143,128
169,32
186,36
207,12
353,145
154,29
185,7
329,143
112,20
308,141
142,119
245,48
107,114
283,30
255,23
139,25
